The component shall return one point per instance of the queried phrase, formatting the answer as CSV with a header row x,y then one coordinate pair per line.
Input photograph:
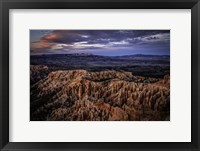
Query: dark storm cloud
x,y
101,39
100,36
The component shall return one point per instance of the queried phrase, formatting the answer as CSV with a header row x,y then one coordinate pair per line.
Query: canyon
x,y
106,95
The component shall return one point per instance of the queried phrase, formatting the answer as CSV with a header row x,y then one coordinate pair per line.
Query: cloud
x,y
50,37
154,38
85,36
70,40
60,46
40,46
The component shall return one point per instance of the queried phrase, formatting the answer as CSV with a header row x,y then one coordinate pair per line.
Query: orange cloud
x,y
40,44
51,36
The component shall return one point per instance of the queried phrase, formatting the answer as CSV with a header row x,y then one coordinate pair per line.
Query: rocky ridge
x,y
99,96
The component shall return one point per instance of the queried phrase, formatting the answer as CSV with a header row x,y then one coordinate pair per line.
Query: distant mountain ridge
x,y
143,65
90,54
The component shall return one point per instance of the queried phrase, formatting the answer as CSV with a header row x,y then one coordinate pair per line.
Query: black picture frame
x,y
5,5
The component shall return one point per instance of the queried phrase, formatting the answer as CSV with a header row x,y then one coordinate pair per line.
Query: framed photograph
x,y
99,75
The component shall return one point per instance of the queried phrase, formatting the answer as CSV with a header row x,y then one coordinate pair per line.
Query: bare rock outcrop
x,y
99,96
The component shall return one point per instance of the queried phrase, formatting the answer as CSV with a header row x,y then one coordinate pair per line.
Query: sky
x,y
100,42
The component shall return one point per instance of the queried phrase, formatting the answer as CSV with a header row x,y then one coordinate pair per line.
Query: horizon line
x,y
40,54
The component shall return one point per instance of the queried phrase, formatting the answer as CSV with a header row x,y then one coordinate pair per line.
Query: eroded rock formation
x,y
99,96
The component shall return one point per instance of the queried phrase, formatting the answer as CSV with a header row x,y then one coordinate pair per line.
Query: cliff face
x,y
106,95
